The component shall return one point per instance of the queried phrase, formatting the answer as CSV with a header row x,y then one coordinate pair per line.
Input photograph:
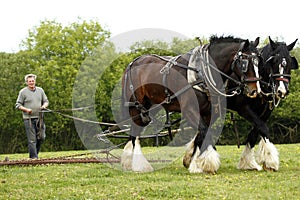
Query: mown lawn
x,y
98,181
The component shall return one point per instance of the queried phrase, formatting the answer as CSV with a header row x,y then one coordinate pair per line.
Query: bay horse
x,y
151,80
275,73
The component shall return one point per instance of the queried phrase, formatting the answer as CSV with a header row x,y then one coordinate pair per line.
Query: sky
x,y
191,18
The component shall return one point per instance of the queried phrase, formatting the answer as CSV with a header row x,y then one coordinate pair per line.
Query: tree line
x,y
68,60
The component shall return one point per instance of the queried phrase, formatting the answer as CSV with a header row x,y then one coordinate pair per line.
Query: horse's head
x,y
278,64
245,65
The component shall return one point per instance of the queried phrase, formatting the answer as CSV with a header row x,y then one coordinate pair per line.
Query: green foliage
x,y
54,53
12,133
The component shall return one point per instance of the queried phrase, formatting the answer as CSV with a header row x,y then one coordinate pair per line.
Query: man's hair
x,y
30,76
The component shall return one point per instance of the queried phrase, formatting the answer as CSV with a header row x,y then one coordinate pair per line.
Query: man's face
x,y
31,82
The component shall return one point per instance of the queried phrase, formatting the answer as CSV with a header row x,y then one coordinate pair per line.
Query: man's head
x,y
30,80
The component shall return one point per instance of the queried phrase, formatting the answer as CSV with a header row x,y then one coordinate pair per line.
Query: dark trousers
x,y
34,142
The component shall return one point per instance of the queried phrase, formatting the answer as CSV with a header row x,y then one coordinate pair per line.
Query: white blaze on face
x,y
255,64
281,87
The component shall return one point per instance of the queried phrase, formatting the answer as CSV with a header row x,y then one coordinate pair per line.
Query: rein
x,y
76,118
274,77
207,66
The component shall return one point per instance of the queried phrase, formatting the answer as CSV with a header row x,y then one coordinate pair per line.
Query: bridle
x,y
281,76
241,60
273,77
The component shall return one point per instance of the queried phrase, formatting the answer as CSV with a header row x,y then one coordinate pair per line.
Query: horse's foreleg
x,y
267,152
190,151
247,160
267,155
206,158
207,161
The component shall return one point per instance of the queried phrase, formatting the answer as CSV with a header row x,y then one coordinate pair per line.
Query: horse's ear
x,y
294,64
291,46
273,45
256,42
244,45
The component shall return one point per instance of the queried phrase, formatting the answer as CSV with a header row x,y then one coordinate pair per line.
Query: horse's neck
x,y
187,55
266,53
222,58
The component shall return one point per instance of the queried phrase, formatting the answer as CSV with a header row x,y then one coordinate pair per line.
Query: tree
x,y
55,54
12,133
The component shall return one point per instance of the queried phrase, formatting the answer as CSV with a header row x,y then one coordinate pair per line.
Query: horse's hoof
x,y
212,173
269,169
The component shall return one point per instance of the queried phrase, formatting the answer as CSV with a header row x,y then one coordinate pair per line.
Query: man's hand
x,y
44,107
29,111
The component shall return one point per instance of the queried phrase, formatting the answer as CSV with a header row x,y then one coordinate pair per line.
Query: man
x,y
31,101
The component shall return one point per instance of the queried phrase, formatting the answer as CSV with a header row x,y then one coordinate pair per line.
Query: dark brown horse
x,y
152,80
276,74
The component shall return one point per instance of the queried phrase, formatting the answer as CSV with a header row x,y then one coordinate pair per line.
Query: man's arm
x,y
28,110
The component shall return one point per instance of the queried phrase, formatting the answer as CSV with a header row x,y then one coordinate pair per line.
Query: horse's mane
x,y
215,39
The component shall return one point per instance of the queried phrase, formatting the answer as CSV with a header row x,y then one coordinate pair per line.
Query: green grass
x,y
98,181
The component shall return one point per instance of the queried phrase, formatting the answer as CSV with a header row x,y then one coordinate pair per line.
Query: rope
x,y
77,118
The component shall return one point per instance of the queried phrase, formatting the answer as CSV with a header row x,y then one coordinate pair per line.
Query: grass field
x,y
99,181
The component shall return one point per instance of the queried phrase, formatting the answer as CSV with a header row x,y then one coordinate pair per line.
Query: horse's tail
x,y
125,97
124,114
127,87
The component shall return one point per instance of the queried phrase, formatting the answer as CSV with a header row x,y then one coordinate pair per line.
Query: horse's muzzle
x,y
252,94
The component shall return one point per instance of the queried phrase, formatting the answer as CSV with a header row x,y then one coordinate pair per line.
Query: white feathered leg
x,y
126,157
139,162
193,168
268,155
208,161
189,152
247,160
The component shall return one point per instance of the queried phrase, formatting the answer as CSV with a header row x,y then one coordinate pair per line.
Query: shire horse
x,y
275,77
152,80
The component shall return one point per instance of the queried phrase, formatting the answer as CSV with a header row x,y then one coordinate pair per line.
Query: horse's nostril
x,y
254,92
281,94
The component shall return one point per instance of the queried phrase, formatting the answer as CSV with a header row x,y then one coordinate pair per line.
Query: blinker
x,y
244,65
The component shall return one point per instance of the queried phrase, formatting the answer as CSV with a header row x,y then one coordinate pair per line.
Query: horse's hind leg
x,y
139,162
132,157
